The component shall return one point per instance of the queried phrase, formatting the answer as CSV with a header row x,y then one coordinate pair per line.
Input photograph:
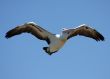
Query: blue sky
x,y
22,57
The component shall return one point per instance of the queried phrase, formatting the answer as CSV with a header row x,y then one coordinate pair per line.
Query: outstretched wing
x,y
32,28
85,30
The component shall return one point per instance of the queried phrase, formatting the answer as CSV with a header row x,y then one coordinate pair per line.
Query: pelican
x,y
55,41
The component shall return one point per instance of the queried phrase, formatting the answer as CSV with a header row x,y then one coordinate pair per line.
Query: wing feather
x,y
32,28
85,30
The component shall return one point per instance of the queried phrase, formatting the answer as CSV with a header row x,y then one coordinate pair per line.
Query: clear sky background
x,y
22,57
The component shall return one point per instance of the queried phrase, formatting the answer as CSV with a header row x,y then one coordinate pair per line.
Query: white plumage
x,y
55,41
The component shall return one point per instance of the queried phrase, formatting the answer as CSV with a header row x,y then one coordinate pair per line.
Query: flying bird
x,y
55,41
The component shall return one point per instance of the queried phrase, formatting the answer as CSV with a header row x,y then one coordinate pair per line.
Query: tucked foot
x,y
46,49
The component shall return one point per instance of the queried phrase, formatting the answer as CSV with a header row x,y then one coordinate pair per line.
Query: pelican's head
x,y
63,29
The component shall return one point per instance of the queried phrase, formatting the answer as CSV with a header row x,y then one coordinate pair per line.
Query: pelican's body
x,y
55,41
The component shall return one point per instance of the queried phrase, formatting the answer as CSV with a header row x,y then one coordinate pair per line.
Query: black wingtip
x,y
12,32
8,35
101,37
